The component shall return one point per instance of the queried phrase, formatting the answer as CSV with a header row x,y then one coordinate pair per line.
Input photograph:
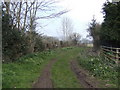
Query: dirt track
x,y
85,80
44,81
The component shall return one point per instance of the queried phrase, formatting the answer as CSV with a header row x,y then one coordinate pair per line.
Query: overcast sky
x,y
81,13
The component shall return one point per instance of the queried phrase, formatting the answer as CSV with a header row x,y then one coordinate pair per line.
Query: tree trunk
x,y
25,17
96,44
19,14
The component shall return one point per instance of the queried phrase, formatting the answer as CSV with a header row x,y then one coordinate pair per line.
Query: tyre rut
x,y
44,81
82,76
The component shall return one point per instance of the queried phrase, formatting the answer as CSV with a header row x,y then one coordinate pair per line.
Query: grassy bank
x,y
99,68
62,75
23,72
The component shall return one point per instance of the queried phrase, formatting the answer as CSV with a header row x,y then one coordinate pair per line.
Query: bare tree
x,y
67,27
25,15
19,14
75,38
43,9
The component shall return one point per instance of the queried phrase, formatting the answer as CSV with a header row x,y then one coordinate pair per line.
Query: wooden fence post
x,y
111,48
117,56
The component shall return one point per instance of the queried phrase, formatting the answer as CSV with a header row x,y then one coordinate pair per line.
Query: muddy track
x,y
84,79
44,81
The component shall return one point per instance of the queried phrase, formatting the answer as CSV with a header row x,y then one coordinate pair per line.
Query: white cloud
x,y
83,10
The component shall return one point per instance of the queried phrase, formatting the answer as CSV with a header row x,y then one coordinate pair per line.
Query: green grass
x,y
99,68
26,70
23,72
62,76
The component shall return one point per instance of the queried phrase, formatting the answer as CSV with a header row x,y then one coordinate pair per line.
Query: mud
x,y
84,78
44,81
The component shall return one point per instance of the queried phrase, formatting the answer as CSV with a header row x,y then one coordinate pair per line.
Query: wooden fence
x,y
111,53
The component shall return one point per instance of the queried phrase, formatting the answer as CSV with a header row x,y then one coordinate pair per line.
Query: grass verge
x,y
23,72
99,68
62,76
